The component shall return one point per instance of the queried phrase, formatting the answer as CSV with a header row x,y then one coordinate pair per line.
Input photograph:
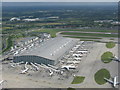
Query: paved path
x,y
88,32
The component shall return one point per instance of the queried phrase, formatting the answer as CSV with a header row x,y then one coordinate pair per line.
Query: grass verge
x,y
100,75
110,44
71,89
78,80
9,44
54,31
107,57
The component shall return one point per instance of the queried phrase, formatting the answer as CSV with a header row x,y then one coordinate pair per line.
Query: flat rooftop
x,y
27,39
51,49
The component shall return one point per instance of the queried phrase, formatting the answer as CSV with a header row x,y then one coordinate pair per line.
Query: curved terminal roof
x,y
52,49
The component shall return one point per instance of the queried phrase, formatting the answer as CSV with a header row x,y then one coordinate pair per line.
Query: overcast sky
x,y
59,0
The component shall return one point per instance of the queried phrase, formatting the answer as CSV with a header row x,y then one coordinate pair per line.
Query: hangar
x,y
48,52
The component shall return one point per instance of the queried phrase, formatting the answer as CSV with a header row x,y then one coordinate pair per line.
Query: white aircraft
x,y
37,68
19,63
26,69
77,58
82,51
12,65
45,66
39,65
116,59
73,62
77,55
68,67
78,45
114,82
51,72
71,51
82,42
53,66
1,82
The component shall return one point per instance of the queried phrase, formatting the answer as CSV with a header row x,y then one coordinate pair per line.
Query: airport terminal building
x,y
48,52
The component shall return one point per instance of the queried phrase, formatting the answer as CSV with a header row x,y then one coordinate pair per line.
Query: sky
x,y
59,0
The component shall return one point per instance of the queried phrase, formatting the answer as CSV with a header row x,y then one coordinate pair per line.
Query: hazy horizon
x,y
56,3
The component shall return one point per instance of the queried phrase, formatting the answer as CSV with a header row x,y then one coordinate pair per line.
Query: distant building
x,y
54,17
45,35
26,41
115,23
24,44
15,19
30,20
102,21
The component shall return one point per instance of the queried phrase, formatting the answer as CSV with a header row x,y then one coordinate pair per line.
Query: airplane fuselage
x,y
115,81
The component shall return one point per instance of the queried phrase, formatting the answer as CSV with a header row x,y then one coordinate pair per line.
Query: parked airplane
x,y
1,82
116,59
26,69
19,63
53,66
39,65
68,67
82,51
77,58
114,82
51,72
73,62
77,55
37,68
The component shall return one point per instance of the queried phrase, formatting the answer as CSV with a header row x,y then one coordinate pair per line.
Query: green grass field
x,y
110,44
100,75
71,89
51,31
89,40
89,34
106,57
78,80
54,31
9,44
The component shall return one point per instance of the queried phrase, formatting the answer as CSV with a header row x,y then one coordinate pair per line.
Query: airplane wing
x,y
116,60
117,83
116,57
1,82
109,80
